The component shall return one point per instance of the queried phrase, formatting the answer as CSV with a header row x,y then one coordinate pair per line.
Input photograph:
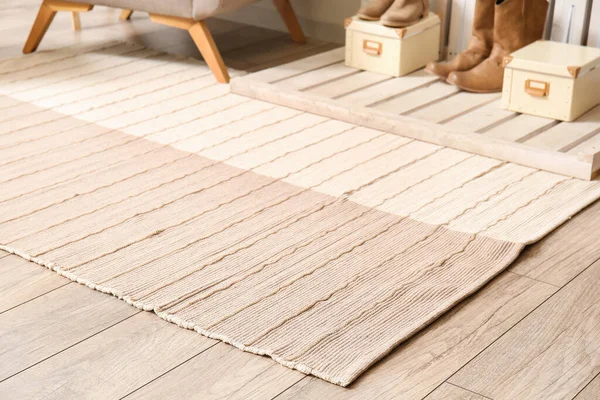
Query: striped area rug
x,y
313,241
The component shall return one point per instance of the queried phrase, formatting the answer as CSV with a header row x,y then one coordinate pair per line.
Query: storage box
x,y
550,79
392,51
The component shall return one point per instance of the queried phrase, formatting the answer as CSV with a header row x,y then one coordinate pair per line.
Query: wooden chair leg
x,y
76,21
291,21
44,18
125,15
40,26
203,39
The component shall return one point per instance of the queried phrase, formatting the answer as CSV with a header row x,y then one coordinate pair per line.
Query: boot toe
x,y
453,78
436,68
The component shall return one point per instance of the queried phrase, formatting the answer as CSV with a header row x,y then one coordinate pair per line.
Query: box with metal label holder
x,y
553,80
392,51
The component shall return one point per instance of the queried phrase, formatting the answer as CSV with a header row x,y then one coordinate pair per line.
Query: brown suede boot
x,y
517,24
405,12
480,45
374,9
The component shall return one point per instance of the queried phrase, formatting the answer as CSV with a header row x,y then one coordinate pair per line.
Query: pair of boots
x,y
395,13
499,28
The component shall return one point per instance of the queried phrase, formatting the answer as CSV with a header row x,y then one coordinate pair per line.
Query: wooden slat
x,y
51,323
111,364
21,281
450,392
591,391
588,147
552,353
567,135
481,118
418,98
317,76
564,253
222,372
454,106
387,89
521,128
418,366
348,84
301,66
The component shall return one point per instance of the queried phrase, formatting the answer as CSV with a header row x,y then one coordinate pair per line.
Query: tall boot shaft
x,y
483,26
480,44
517,23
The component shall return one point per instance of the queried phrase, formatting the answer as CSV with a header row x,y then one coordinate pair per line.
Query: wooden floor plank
x,y
417,367
591,391
21,281
221,372
551,354
564,253
51,323
448,391
273,50
111,364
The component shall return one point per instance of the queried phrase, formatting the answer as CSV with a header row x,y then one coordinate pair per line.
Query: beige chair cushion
x,y
206,8
197,9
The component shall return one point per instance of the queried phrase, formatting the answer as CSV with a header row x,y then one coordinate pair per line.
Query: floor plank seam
x,y
169,370
33,298
597,376
534,279
467,390
68,347
289,387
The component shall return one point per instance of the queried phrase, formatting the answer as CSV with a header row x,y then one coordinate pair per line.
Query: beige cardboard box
x,y
551,79
392,51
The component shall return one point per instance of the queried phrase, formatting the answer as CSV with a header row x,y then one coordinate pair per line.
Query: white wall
x,y
322,19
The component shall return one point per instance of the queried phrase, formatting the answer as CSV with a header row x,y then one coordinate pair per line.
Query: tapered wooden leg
x,y
125,15
40,26
203,39
76,21
291,21
45,16
209,51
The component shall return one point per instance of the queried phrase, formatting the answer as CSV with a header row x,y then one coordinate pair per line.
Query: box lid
x,y
376,28
555,58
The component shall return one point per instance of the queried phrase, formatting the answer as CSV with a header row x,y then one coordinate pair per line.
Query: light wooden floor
x,y
533,332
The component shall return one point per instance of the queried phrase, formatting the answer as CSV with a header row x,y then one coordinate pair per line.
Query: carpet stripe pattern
x,y
313,241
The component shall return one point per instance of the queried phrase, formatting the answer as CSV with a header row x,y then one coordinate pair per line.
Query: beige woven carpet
x,y
318,243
